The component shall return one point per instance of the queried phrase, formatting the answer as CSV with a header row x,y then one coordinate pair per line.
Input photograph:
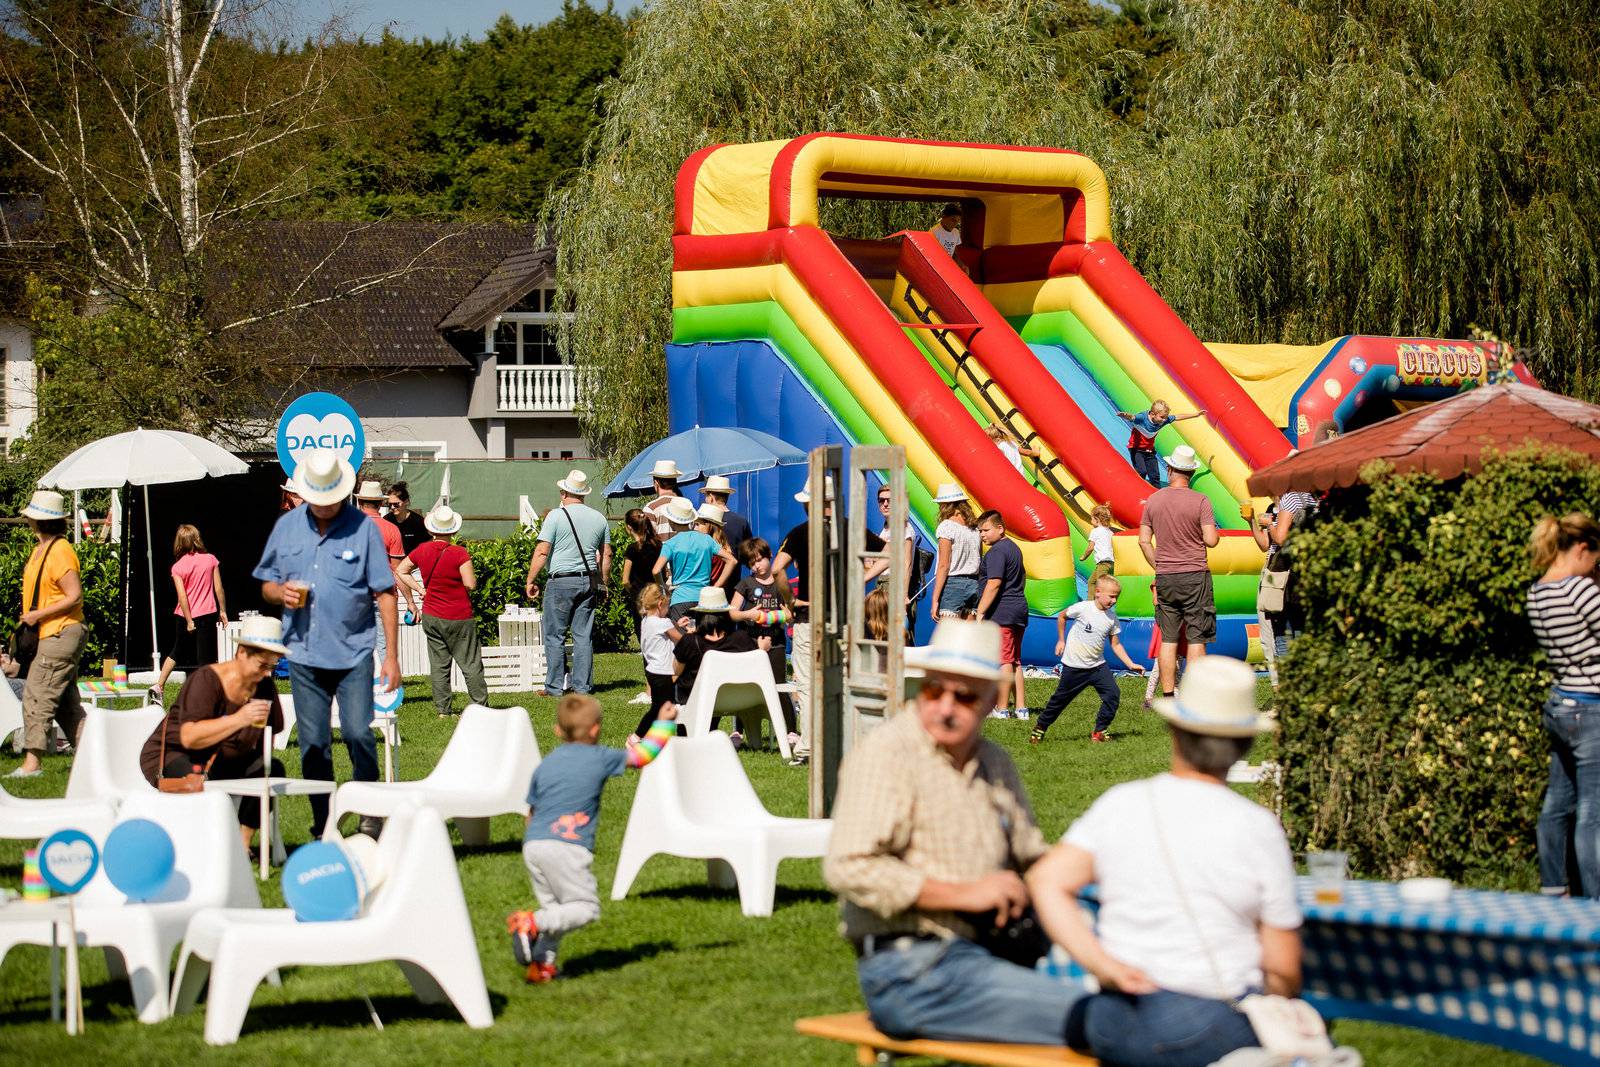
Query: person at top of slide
x,y
1142,437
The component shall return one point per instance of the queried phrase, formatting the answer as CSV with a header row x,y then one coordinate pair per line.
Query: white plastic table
x,y
266,790
56,911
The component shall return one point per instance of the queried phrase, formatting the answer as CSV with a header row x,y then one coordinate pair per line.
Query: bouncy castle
x,y
1036,322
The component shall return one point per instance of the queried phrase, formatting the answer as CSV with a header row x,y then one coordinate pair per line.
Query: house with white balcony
x,y
440,335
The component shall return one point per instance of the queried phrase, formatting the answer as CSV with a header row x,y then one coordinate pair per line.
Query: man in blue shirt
x,y
325,562
576,542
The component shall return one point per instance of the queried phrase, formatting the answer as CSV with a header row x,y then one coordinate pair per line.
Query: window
x,y
525,336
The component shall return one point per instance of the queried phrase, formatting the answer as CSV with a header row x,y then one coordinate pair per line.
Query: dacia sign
x,y
320,420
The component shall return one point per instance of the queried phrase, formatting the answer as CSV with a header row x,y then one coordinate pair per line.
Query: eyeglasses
x,y
882,500
935,689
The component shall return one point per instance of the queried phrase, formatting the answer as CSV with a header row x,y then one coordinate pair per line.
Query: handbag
x,y
1274,591
193,782
25,638
1021,941
594,579
1285,1026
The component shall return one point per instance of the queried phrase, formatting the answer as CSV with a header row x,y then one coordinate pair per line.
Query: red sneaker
x,y
1099,735
540,973
524,931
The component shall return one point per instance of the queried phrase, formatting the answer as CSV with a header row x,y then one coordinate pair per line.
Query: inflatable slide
x,y
1037,323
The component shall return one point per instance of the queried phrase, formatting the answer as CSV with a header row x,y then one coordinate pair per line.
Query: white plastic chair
x,y
106,765
483,771
417,917
211,870
280,740
10,712
26,818
694,801
738,684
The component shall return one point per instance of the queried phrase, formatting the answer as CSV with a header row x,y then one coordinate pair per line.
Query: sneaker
x,y
371,825
1035,737
641,698
999,713
800,760
20,773
738,740
1020,713
1099,735
540,973
524,932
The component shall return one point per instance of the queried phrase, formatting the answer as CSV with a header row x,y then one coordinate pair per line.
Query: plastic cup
x,y
1327,871
1247,511
304,588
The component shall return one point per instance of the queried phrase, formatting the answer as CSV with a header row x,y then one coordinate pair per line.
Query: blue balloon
x,y
321,884
138,858
1358,365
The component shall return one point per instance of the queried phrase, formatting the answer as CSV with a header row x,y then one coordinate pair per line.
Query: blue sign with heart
x,y
68,859
320,420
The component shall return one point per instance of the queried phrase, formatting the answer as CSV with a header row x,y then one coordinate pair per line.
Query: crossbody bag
x,y
1285,1026
594,579
25,638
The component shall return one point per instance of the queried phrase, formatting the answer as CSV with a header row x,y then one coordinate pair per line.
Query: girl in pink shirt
x,y
200,606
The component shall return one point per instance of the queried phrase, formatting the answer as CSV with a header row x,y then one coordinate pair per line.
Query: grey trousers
x,y
51,691
563,881
454,639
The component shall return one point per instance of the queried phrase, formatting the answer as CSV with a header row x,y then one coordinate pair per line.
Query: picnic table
x,y
1516,970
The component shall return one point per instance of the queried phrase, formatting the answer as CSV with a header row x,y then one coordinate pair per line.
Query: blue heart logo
x,y
320,420
68,859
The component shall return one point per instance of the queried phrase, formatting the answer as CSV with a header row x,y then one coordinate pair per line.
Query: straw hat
x,y
442,520
324,477
804,495
46,504
263,632
712,513
1216,697
949,493
717,484
960,646
713,601
288,486
678,511
576,483
1183,459
370,490
666,470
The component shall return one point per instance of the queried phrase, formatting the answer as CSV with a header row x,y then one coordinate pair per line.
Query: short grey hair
x,y
1207,754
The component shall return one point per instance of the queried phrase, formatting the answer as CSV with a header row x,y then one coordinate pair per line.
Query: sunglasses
x,y
935,689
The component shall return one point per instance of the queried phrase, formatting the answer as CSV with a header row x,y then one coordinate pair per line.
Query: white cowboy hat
x,y
804,495
678,511
949,493
324,477
288,486
46,504
1183,459
576,483
666,470
717,484
442,520
713,600
263,632
1217,697
371,490
960,646
712,513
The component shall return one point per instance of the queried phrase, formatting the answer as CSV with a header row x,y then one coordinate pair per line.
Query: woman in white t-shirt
x,y
1196,889
956,587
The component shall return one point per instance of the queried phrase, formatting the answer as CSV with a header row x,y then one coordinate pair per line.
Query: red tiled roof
x,y
1446,439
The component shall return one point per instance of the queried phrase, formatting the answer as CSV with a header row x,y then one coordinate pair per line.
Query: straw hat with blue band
x,y
1217,697
963,647
46,505
263,632
324,477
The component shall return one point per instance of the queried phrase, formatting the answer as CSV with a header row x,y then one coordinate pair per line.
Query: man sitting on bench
x,y
931,834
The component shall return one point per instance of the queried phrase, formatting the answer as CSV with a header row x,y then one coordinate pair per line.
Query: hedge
x,y
502,568
1409,710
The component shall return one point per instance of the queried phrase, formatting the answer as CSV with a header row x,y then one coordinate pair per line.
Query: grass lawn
x,y
672,975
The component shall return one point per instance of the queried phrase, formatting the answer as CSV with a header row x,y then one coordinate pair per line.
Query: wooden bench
x,y
854,1028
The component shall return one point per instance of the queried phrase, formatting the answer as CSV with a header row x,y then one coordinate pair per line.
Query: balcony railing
x,y
538,388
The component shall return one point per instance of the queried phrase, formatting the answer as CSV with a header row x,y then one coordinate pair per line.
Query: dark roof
x,y
1446,439
517,275
368,294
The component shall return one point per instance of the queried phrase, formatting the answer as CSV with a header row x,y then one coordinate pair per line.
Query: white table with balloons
x,y
267,789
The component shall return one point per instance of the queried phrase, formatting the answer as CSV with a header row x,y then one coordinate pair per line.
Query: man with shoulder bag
x,y
575,541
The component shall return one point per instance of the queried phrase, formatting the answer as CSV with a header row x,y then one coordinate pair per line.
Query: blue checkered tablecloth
x,y
1516,970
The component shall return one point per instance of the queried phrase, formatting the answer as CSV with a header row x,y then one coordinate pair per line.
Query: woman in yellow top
x,y
52,688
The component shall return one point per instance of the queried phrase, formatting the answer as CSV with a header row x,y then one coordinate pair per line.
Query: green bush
x,y
102,593
502,568
1410,708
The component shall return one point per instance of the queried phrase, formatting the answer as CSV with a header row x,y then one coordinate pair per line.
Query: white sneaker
x,y
999,713
1020,713
641,698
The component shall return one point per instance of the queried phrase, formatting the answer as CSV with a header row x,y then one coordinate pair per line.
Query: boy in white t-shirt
x,y
1083,658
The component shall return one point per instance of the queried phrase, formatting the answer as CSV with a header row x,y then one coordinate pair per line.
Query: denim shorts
x,y
960,594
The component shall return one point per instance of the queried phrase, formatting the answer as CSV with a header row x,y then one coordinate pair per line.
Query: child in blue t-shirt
x,y
558,844
1143,428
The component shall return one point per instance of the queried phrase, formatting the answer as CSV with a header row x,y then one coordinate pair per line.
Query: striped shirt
x,y
1291,503
1566,619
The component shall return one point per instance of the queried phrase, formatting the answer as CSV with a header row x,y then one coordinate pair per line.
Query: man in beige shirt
x,y
931,834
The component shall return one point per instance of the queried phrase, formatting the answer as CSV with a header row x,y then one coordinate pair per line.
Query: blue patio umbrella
x,y
704,451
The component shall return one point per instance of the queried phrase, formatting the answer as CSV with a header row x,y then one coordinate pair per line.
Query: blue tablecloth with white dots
x,y
1516,970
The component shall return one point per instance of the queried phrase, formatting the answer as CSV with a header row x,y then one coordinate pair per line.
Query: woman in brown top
x,y
216,723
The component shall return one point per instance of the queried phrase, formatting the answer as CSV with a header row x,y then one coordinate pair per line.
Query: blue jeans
x,y
568,604
1161,1029
1147,464
314,690
955,991
1571,813
1075,680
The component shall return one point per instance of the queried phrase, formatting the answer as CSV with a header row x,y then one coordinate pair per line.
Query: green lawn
x,y
674,974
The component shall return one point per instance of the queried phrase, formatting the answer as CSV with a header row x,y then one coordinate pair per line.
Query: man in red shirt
x,y
368,498
1182,526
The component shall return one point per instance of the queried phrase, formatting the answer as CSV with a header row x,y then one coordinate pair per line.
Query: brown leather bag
x,y
193,782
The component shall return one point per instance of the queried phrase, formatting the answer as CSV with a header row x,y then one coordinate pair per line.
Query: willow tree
x,y
706,71
1324,167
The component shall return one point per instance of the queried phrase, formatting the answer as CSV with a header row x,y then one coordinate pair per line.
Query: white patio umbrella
x,y
146,458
